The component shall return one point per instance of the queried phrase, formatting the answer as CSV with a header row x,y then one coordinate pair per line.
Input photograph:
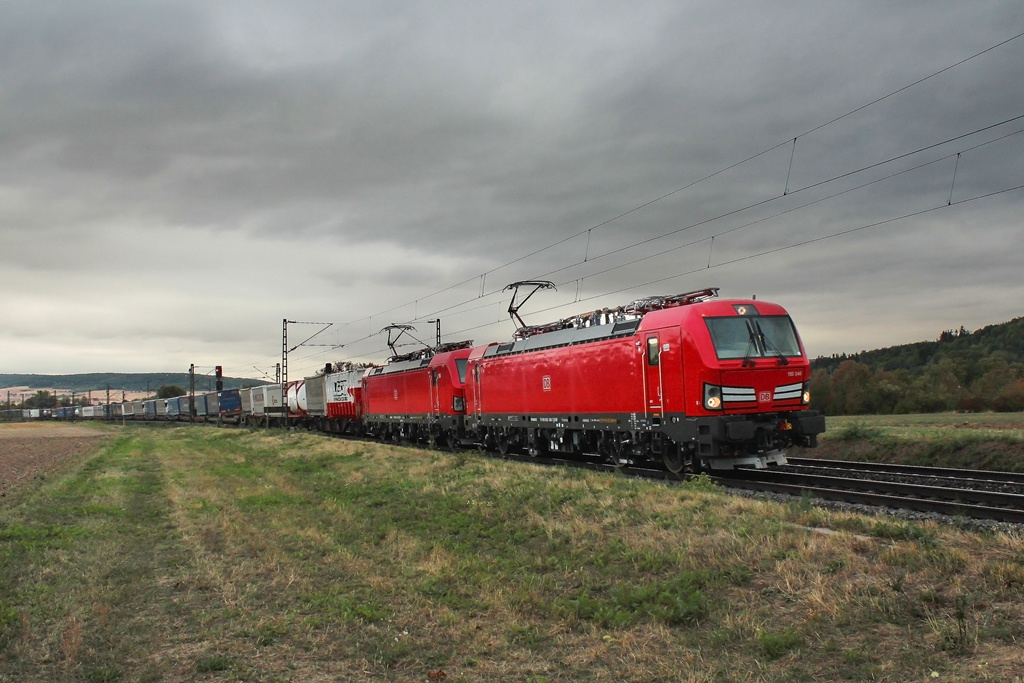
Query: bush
x,y
775,645
1011,400
857,431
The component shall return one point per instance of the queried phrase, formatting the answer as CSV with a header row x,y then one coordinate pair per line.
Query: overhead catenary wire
x,y
733,212
773,250
715,174
955,155
461,307
762,253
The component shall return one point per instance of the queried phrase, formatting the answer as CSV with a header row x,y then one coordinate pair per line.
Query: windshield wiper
x,y
751,346
769,345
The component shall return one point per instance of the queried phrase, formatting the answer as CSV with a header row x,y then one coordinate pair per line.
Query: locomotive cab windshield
x,y
754,336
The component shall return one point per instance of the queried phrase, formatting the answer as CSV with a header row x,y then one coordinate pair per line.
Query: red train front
x,y
697,384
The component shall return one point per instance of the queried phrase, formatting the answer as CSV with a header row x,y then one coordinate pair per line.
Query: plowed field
x,y
29,450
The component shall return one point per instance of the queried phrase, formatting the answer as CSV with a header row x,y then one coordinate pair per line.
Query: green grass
x,y
993,441
206,554
1007,427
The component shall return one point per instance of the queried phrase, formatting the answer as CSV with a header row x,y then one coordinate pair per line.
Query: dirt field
x,y
31,449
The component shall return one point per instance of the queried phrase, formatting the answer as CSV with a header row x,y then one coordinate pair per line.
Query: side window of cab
x,y
653,351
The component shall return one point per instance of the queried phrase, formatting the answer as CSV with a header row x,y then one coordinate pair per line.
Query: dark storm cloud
x,y
378,153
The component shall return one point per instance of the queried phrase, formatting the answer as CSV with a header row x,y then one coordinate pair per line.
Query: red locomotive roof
x,y
709,309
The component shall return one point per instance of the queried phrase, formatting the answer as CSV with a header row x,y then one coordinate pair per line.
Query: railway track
x,y
1009,481
997,496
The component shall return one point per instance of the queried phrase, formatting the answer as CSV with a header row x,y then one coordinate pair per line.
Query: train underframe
x,y
444,431
634,447
677,442
345,426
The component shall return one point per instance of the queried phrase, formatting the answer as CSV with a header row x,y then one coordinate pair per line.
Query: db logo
x,y
764,397
545,382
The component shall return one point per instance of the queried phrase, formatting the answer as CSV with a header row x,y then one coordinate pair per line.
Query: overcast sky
x,y
176,178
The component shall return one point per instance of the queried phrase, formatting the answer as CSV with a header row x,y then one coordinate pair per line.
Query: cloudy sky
x,y
176,178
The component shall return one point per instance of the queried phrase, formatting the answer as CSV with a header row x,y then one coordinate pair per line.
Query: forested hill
x,y
1003,342
961,370
138,381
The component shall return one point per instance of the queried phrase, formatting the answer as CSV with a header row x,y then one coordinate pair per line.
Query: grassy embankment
x,y
992,441
197,553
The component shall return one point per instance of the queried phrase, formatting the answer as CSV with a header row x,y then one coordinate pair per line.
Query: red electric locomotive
x,y
695,383
418,397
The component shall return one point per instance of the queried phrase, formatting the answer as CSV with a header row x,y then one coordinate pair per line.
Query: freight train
x,y
688,381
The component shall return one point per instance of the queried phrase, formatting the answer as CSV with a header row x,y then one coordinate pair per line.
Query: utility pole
x,y
283,374
191,392
284,369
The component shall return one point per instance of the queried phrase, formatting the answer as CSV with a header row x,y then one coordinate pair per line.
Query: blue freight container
x,y
230,401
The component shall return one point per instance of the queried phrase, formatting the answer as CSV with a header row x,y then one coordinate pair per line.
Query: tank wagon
x,y
295,396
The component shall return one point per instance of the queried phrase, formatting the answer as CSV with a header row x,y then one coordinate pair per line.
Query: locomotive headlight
x,y
712,397
807,393
458,404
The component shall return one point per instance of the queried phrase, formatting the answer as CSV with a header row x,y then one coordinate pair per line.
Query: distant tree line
x,y
961,370
118,381
44,399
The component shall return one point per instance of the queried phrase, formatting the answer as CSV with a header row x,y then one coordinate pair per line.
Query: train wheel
x,y
675,461
451,444
503,444
536,443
